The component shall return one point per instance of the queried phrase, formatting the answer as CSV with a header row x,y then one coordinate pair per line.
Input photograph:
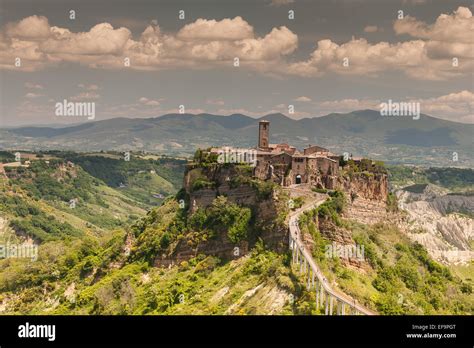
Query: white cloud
x,y
428,58
457,106
201,44
302,99
33,28
281,2
85,96
149,102
450,36
91,87
31,85
212,30
414,2
243,111
371,29
33,95
208,44
102,39
215,102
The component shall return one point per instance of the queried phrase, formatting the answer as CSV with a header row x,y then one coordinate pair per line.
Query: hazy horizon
x,y
62,125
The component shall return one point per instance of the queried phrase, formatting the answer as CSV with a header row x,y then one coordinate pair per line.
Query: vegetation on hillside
x,y
399,277
99,257
455,179
77,278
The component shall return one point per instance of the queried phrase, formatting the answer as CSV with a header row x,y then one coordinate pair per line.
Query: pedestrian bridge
x,y
332,301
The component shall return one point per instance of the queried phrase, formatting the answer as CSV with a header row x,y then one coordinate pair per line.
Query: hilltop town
x,y
314,166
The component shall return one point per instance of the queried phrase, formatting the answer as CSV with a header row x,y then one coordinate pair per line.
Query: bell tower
x,y
263,134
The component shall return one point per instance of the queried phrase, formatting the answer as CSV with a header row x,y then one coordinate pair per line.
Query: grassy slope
x,y
94,275
79,278
400,277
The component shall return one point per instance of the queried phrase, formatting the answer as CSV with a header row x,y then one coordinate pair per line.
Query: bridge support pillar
x,y
322,294
317,297
330,305
327,304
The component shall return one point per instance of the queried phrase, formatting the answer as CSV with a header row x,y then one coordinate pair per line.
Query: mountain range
x,y
423,141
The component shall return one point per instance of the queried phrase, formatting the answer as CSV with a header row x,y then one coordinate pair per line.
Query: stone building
x,y
286,165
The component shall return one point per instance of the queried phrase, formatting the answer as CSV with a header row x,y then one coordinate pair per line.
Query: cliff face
x,y
204,184
369,186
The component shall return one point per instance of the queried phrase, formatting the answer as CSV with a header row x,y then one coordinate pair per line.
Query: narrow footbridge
x,y
332,301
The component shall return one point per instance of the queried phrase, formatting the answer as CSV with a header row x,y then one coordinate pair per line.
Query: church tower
x,y
263,134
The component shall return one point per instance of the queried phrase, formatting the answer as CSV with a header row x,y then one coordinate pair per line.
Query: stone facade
x,y
285,165
263,134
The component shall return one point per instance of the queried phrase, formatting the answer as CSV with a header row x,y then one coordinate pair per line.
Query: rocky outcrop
x,y
369,212
342,245
224,181
370,186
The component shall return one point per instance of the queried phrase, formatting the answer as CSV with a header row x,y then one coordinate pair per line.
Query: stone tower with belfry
x,y
263,134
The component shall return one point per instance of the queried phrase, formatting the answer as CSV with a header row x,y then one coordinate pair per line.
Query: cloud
x,y
85,96
362,58
33,28
212,30
102,39
149,102
88,87
371,29
430,57
450,36
215,102
456,106
33,95
243,111
31,85
345,105
278,3
414,2
210,44
201,44
302,99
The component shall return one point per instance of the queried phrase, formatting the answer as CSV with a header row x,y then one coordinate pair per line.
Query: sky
x,y
143,58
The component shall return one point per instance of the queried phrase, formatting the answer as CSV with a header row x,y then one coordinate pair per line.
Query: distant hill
x,y
428,140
